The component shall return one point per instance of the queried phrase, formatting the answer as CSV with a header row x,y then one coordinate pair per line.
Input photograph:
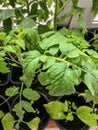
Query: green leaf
x,y
91,83
8,121
47,35
96,99
9,48
59,76
34,123
2,36
30,64
3,67
43,58
43,78
74,106
91,76
85,114
42,29
1,114
31,94
44,6
89,97
75,2
49,2
55,110
95,7
70,116
34,7
19,111
55,39
82,23
11,91
12,2
70,50
53,50
31,38
49,62
27,106
7,24
21,43
27,23
7,13
92,53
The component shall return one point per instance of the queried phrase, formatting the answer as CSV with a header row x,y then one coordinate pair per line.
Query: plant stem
x,y
21,91
64,5
72,22
69,63
8,97
55,15
13,59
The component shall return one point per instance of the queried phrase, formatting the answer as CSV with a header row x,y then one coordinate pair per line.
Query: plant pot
x,y
16,73
28,116
76,124
4,79
89,35
4,107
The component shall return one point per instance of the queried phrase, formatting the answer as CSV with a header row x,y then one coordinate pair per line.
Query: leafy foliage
x,y
61,60
8,121
1,114
48,52
65,111
59,83
95,7
31,39
5,14
34,123
90,118
12,91
3,67
30,65
31,94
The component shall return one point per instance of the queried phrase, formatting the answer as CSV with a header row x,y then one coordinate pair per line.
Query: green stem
x,y
72,22
69,63
64,5
13,59
20,58
8,97
93,39
55,15
21,89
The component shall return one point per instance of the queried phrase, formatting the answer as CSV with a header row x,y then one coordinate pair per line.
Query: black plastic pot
x,y
42,113
4,107
96,31
89,35
76,124
16,73
4,79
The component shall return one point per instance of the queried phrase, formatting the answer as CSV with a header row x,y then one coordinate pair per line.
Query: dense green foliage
x,y
60,60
